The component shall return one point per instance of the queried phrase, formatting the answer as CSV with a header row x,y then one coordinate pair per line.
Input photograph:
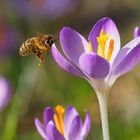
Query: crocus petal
x,y
128,62
65,64
48,115
75,129
41,129
125,50
5,93
70,114
73,44
136,32
53,133
86,126
109,28
94,66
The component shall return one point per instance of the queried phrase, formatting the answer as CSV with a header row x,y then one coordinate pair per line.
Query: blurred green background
x,y
34,87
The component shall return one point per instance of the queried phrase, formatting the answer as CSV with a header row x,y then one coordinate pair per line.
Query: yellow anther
x,y
101,43
90,47
58,118
110,49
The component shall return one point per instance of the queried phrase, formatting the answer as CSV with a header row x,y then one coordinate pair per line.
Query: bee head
x,y
49,40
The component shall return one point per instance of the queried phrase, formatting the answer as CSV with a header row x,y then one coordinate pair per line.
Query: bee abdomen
x,y
25,49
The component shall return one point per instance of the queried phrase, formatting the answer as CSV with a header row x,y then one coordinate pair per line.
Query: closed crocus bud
x,y
5,93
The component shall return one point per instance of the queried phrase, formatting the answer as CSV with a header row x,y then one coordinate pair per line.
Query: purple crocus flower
x,y
63,125
7,39
136,32
49,8
5,93
99,59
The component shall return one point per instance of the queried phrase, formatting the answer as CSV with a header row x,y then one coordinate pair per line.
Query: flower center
x,y
102,39
58,118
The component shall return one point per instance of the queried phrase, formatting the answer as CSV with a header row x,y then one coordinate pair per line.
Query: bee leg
x,y
40,57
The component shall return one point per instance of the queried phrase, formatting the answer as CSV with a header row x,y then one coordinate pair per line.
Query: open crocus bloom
x,y
136,32
63,125
98,59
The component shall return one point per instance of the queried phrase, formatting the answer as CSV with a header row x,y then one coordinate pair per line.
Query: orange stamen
x,y
58,118
101,43
110,49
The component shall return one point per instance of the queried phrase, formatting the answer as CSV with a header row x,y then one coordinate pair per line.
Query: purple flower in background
x,y
63,125
7,38
136,32
5,93
99,59
49,8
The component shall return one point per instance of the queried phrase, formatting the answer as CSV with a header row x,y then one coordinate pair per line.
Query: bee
x,y
37,46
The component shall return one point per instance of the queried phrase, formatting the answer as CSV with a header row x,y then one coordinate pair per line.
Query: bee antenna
x,y
55,36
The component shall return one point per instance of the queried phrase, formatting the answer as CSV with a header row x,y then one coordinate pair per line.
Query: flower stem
x,y
103,104
26,84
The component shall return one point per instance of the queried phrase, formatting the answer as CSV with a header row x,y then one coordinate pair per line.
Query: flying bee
x,y
37,46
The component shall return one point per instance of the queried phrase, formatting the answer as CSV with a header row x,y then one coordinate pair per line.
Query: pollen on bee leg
x,y
110,50
58,118
90,46
41,58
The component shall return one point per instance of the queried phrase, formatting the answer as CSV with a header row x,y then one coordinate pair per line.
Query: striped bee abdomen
x,y
27,48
